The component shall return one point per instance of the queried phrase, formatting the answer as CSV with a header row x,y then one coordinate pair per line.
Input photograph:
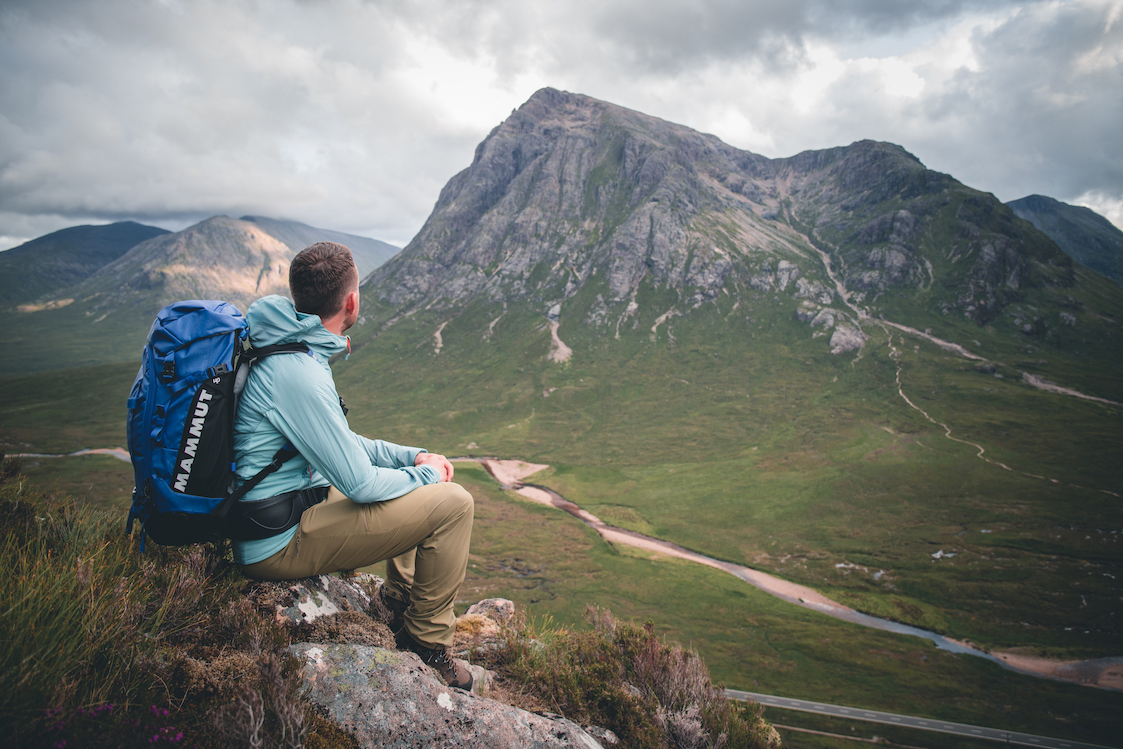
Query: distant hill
x,y
1088,237
106,315
65,257
368,253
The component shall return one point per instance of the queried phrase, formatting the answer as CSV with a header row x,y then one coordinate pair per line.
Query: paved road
x,y
924,724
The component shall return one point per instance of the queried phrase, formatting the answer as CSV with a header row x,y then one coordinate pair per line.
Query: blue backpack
x,y
181,422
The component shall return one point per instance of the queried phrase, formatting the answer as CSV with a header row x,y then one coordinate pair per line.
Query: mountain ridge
x,y
47,264
1085,235
105,316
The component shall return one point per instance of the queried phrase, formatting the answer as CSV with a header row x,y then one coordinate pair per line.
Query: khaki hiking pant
x,y
424,535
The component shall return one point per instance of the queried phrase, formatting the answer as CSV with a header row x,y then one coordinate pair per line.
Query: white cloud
x,y
1107,206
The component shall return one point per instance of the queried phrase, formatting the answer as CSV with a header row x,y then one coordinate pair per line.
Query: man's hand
x,y
438,462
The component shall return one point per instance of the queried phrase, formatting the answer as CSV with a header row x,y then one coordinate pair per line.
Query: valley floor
x,y
1106,673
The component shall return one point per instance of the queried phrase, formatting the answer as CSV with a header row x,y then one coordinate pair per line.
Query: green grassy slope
x,y
736,434
72,336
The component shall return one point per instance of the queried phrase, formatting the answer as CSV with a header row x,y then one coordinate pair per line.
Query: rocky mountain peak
x,y
569,191
587,187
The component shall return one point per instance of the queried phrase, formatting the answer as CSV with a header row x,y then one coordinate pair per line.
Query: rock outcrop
x,y
390,699
387,698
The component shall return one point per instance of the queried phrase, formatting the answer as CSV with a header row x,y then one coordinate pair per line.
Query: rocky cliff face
x,y
570,191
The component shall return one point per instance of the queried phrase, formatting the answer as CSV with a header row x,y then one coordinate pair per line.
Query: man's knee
x,y
461,499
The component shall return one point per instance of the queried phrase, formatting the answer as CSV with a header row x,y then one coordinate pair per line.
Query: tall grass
x,y
103,646
67,606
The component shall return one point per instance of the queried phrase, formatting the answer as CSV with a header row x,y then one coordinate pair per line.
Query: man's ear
x,y
352,302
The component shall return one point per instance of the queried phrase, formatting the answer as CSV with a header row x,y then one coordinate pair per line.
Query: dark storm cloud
x,y
1044,109
670,36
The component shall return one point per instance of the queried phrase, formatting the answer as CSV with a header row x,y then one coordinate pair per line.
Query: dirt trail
x,y
958,350
1105,673
119,453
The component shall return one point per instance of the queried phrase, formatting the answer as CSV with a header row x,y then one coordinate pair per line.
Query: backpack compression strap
x,y
282,456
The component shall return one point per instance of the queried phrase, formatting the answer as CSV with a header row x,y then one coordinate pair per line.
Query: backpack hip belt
x,y
255,519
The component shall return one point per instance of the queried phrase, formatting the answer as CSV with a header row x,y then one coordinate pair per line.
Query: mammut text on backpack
x,y
191,440
207,442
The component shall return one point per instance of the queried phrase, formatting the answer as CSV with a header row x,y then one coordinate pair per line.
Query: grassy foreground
x,y
103,647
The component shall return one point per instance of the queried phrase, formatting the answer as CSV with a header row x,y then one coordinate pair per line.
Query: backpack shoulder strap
x,y
282,456
247,355
250,353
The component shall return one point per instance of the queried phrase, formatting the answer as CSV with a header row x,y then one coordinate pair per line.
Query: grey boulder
x,y
386,698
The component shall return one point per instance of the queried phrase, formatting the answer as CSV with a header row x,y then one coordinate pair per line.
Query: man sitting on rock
x,y
367,500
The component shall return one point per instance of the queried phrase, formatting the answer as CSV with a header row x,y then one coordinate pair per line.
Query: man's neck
x,y
334,323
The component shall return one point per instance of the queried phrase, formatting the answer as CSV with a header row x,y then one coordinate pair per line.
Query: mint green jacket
x,y
292,398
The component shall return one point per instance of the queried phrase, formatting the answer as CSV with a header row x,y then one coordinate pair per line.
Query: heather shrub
x,y
102,646
623,677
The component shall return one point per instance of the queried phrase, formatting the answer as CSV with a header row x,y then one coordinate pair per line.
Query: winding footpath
x,y
953,348
1106,673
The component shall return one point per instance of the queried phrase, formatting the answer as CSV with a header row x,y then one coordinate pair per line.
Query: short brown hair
x,y
320,278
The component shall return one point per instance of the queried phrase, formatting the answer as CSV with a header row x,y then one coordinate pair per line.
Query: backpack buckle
x,y
168,372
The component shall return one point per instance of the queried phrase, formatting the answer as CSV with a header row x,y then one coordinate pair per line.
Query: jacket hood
x,y
273,319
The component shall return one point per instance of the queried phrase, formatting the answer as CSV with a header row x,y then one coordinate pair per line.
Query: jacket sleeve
x,y
306,410
389,455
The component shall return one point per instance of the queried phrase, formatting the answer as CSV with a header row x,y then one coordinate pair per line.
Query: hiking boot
x,y
452,671
391,611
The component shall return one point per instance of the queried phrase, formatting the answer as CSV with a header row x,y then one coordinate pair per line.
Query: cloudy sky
x,y
352,115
